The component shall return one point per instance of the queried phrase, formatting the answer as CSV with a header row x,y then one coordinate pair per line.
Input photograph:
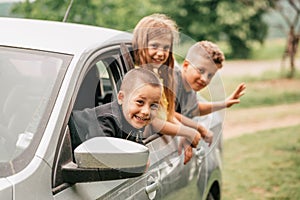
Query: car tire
x,y
210,196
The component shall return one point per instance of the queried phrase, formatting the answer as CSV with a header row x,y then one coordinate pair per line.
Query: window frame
x,y
63,154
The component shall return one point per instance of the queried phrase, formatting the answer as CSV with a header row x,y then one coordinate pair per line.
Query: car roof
x,y
54,36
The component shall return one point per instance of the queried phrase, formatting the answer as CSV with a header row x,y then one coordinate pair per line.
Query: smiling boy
x,y
135,108
202,62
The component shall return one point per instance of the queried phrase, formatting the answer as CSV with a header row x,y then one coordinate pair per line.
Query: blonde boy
x,y
202,61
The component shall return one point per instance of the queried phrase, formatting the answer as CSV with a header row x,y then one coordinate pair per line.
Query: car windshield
x,y
29,80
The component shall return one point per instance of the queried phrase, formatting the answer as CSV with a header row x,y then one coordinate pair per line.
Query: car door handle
x,y
200,153
152,186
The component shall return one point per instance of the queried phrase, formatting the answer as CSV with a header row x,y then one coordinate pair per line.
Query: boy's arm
x,y
107,127
234,97
209,107
207,135
177,129
188,150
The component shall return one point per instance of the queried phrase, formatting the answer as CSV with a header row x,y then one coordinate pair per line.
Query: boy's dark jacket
x,y
103,120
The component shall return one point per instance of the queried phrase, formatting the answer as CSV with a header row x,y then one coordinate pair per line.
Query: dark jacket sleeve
x,y
108,126
86,124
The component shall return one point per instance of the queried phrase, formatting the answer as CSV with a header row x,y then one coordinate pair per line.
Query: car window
x,y
96,88
105,85
99,86
29,80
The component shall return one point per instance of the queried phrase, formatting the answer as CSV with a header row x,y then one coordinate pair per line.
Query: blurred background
x,y
260,41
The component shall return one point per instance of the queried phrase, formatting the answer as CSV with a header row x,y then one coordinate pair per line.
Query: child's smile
x,y
140,106
142,119
159,50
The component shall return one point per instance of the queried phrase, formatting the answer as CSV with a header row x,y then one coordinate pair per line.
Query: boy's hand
x,y
194,138
208,138
234,97
205,134
188,150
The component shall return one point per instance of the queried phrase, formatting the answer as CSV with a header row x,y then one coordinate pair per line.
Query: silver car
x,y
47,71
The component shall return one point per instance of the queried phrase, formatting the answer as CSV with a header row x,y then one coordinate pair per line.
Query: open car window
x,y
99,86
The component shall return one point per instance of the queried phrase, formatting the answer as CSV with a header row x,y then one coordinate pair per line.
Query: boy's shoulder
x,y
108,109
177,70
177,66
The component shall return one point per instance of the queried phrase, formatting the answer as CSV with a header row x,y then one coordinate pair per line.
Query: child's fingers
x,y
188,154
179,150
241,87
181,143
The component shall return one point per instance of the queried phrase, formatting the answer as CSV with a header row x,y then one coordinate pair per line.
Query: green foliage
x,y
238,23
55,10
264,165
118,14
5,8
270,49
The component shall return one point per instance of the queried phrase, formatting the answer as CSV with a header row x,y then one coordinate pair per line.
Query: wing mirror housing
x,y
106,158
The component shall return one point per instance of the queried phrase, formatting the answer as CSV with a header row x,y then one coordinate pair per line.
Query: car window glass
x,y
97,88
105,84
28,80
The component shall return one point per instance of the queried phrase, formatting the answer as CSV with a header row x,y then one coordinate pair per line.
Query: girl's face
x,y
159,50
198,76
140,105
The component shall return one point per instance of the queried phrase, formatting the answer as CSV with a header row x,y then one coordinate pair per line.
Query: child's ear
x,y
120,97
185,64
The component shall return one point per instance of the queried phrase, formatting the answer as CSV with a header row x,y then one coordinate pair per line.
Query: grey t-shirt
x,y
186,101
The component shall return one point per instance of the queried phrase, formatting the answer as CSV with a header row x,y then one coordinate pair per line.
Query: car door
x,y
98,86
95,85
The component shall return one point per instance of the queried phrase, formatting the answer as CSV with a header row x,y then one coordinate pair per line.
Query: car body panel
x,y
6,189
69,38
37,174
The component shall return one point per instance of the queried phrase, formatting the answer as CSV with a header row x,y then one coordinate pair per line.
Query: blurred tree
x,y
118,14
55,10
237,22
290,11
123,15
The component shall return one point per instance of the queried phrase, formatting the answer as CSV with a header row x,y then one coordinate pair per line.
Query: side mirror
x,y
106,158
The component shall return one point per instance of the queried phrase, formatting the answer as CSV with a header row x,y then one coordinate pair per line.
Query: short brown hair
x,y
206,49
137,77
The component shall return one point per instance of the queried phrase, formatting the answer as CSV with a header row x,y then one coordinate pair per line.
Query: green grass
x,y
264,165
268,89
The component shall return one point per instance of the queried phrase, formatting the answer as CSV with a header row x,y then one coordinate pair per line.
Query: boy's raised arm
x,y
234,97
209,107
